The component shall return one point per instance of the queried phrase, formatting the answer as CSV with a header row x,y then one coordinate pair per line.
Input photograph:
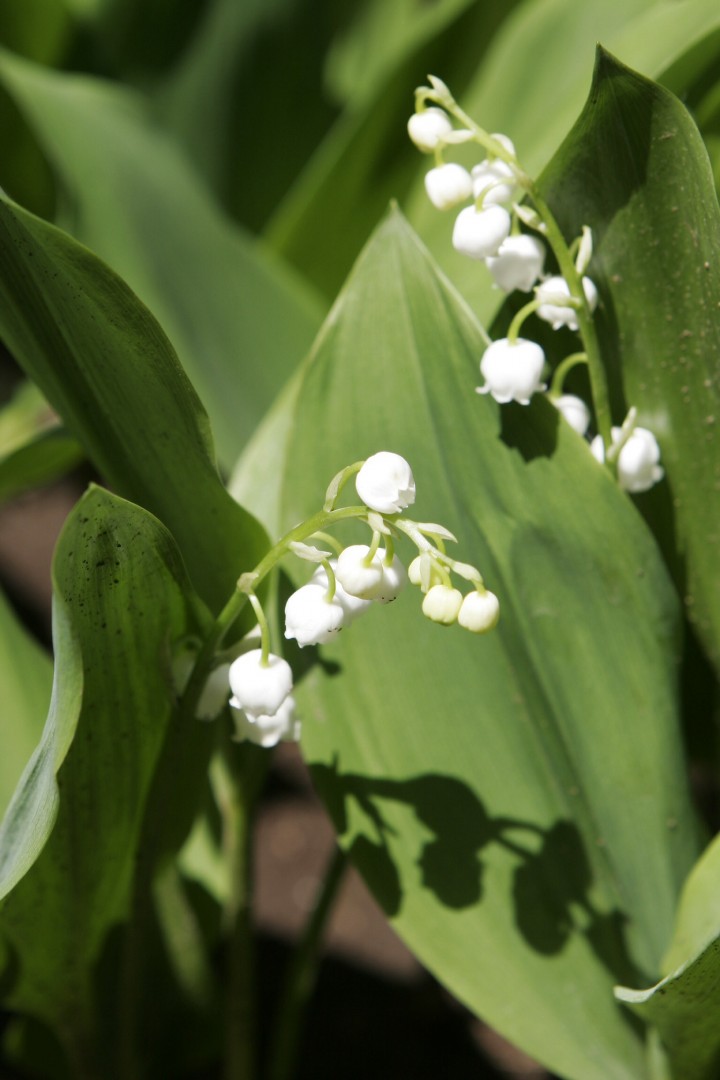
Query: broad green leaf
x,y
105,365
238,319
25,679
69,842
684,1008
656,224
39,29
685,1004
517,801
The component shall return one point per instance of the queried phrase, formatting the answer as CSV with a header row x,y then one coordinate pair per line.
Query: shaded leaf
x,y
239,320
104,364
69,842
656,225
25,682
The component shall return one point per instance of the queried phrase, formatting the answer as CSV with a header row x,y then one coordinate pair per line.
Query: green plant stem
x,y
588,333
302,976
240,1027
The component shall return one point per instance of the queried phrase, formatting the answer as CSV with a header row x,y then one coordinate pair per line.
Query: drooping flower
x,y
518,263
552,309
351,605
479,233
479,612
512,370
311,618
574,410
356,574
428,128
385,483
442,604
448,185
392,582
267,731
638,464
260,689
493,182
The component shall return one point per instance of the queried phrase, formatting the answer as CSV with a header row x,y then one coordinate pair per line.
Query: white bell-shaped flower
x,y
512,370
311,618
552,310
479,612
518,263
428,128
574,410
493,182
479,233
260,689
351,605
267,731
442,604
638,464
385,483
356,574
448,185
393,581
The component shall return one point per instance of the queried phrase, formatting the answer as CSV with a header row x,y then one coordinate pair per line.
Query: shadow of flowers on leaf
x,y
551,881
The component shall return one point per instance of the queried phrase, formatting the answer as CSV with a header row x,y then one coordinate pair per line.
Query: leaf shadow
x,y
552,878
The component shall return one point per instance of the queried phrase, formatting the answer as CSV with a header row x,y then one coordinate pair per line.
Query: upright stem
x,y
302,976
240,1059
588,333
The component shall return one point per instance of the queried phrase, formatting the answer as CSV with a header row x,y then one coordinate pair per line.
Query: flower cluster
x,y
345,585
490,230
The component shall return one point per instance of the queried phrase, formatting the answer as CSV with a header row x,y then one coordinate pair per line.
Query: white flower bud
x,y
260,689
493,182
479,612
448,185
518,264
385,483
638,463
479,233
574,410
512,370
442,604
267,731
355,575
428,128
351,605
506,142
552,310
312,619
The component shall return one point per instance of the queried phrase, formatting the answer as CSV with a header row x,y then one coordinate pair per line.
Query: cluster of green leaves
x,y
176,226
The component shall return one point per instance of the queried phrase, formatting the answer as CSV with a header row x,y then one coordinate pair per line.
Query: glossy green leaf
x,y
238,319
69,842
517,801
684,1005
25,681
105,365
684,1008
656,225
